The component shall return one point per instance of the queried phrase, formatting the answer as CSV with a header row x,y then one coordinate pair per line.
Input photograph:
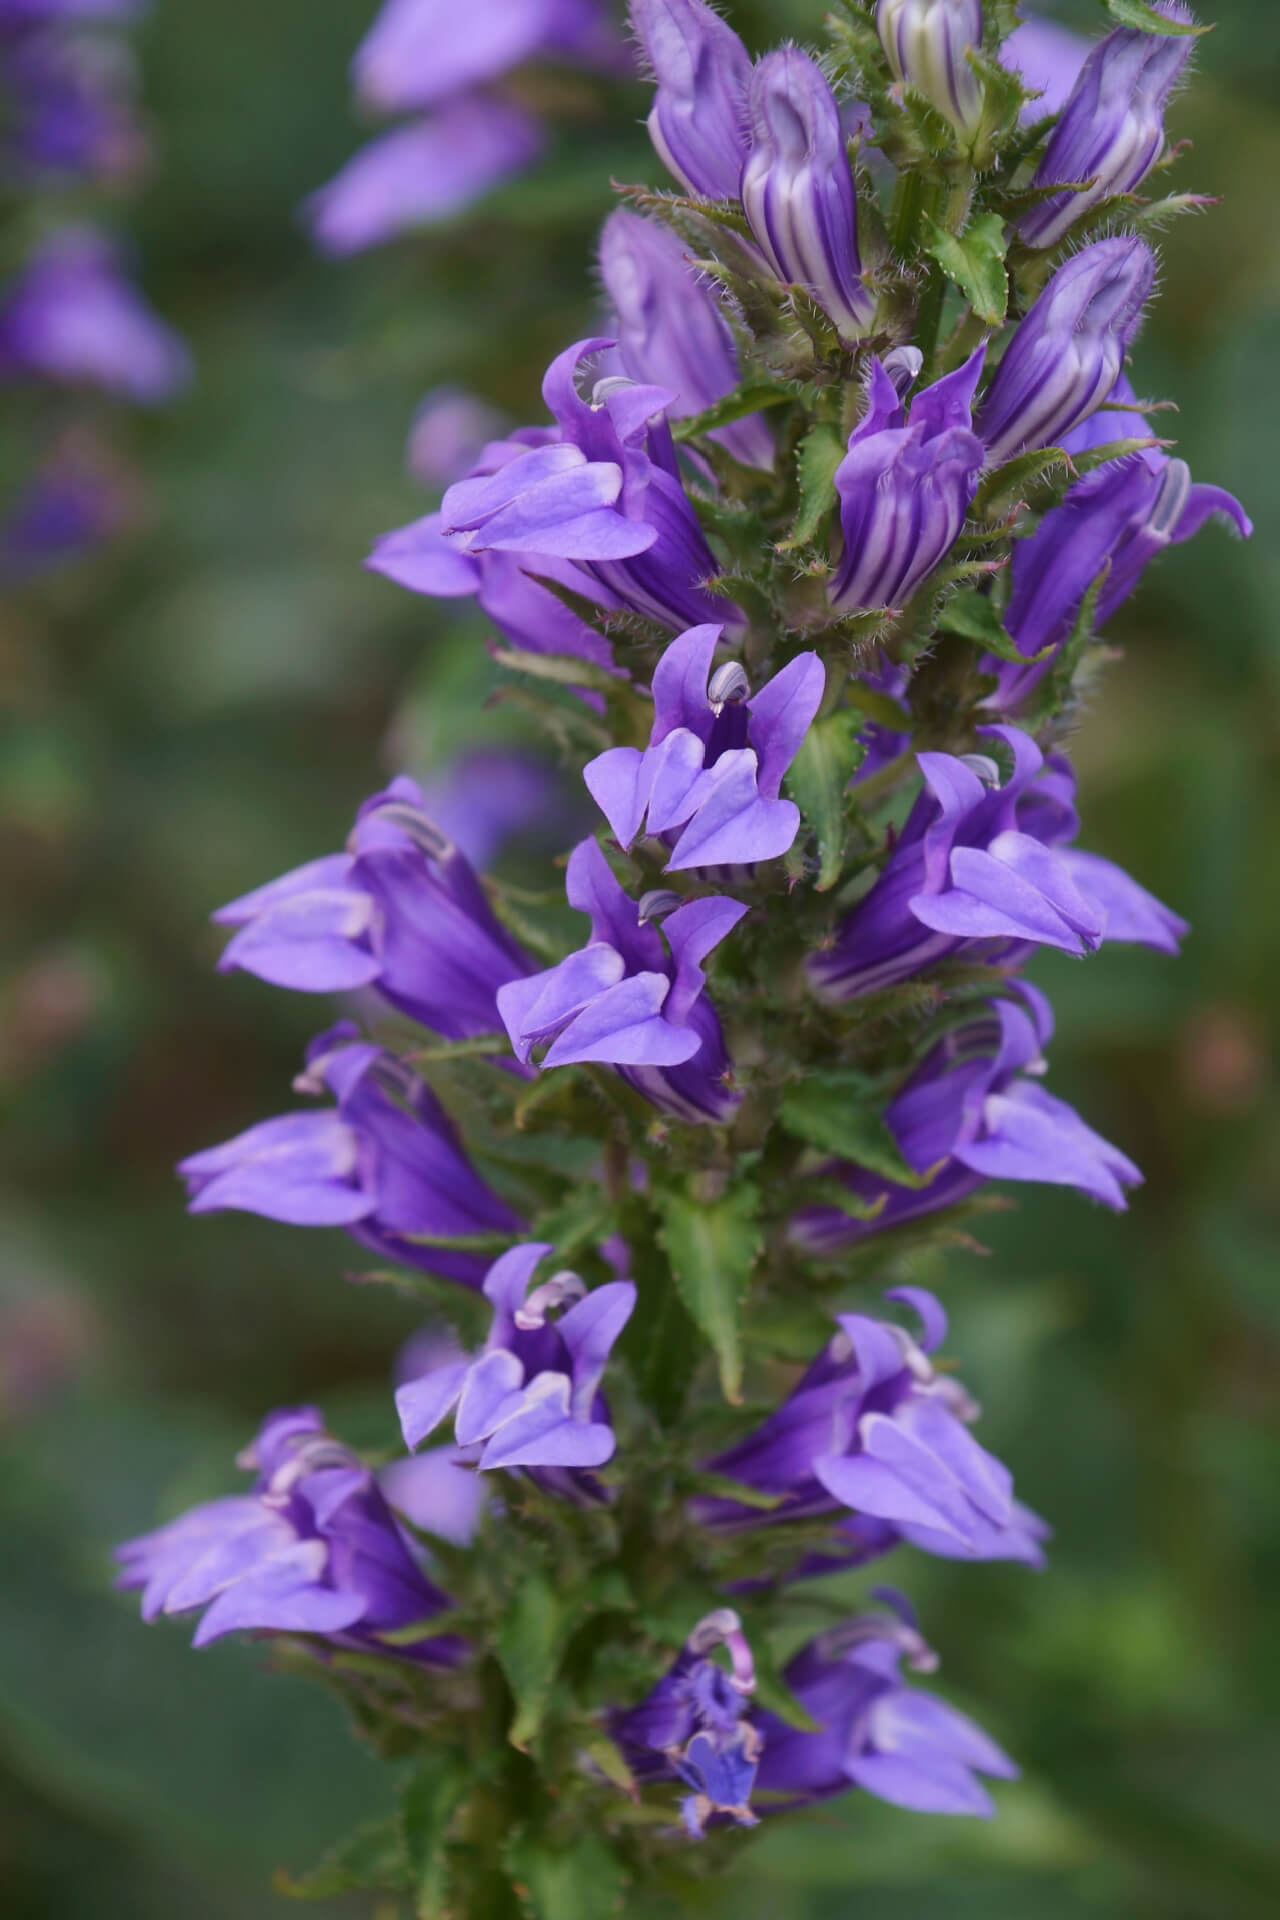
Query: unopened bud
x,y
927,42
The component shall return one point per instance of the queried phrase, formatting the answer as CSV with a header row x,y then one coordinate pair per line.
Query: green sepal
x,y
583,1881
529,1643
371,1858
428,1801
442,1050
818,782
712,1246
566,669
753,397
841,1112
721,1487
1143,16
1007,487
974,260
972,616
821,452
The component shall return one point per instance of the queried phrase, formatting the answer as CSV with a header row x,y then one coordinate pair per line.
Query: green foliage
x,y
713,1243
974,259
819,783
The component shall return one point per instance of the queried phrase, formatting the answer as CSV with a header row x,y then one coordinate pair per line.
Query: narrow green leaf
x,y
712,1246
1004,488
974,260
566,669
428,1801
821,452
1140,14
841,1112
1091,458
371,1858
972,616
608,1756
751,398
528,1650
819,783
721,1487
584,1881
461,1242
478,1044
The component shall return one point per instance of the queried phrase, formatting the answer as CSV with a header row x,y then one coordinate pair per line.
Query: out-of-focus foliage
x,y
203,709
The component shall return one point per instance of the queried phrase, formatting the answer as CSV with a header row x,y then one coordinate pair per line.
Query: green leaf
x,y
584,1881
478,1044
721,1487
973,617
712,1246
528,1649
566,669
1140,14
428,1801
819,783
1009,484
841,1112
373,1857
975,261
821,452
751,398
1094,457
608,1756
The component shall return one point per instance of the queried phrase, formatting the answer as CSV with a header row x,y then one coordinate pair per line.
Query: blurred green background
x,y
196,711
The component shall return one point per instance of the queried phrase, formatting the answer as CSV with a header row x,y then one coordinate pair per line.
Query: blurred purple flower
x,y
982,873
314,1549
671,328
422,172
422,53
873,1428
974,1111
631,998
385,1163
710,778
73,317
1067,354
532,1398
68,107
78,497
1048,59
450,431
401,910
905,485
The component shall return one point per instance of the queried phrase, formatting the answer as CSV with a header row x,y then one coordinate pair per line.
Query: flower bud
x,y
797,190
927,41
702,70
1112,127
1067,355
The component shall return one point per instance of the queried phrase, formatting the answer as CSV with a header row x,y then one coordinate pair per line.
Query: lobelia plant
x,y
804,574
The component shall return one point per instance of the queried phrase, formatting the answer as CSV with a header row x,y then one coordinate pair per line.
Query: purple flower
x,y
982,873
600,491
68,102
487,798
974,1111
1066,356
873,1428
693,1727
671,330
1112,127
797,189
699,117
893,1741
710,777
905,485
632,998
927,42
1047,58
385,1163
314,1549
1110,527
72,317
401,910
532,1398
526,613
421,172
419,53
76,499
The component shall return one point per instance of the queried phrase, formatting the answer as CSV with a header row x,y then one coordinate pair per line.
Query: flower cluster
x,y
804,572
447,76
71,317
